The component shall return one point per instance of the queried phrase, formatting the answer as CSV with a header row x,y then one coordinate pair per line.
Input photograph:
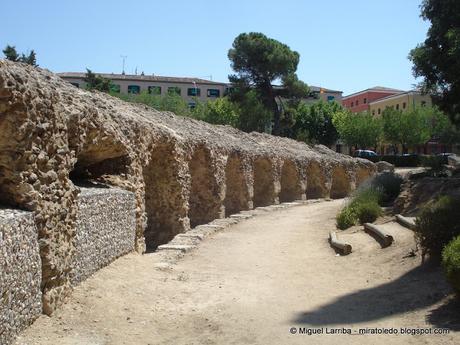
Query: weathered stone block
x,y
106,229
20,273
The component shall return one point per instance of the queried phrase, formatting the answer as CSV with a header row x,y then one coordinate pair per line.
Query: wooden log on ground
x,y
343,247
405,221
385,238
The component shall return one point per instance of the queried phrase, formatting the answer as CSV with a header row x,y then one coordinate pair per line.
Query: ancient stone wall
x,y
105,230
20,273
182,172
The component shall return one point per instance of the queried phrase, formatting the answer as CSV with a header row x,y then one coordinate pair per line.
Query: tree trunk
x,y
271,104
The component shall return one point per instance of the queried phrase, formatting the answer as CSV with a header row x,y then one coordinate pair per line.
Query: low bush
x,y
363,208
438,224
346,218
389,184
451,263
368,212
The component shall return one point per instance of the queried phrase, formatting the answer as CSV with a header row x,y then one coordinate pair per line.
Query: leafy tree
x,y
313,122
11,53
222,112
30,59
254,116
408,128
437,59
360,130
259,61
97,82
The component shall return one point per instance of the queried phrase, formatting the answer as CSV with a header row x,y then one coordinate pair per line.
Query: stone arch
x,y
236,190
340,184
316,181
362,174
204,201
165,199
290,183
264,187
98,157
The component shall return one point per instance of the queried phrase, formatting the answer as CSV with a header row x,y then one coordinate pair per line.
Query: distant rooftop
x,y
374,89
314,89
140,77
396,95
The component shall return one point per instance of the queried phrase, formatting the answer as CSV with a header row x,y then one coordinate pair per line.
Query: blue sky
x,y
344,45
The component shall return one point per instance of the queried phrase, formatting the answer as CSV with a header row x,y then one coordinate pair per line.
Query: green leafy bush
x,y
346,218
368,212
451,263
438,224
363,208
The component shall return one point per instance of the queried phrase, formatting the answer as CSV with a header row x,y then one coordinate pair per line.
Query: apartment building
x,y
321,93
359,101
188,88
401,101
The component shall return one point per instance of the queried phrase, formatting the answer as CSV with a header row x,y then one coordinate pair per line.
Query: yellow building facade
x,y
401,101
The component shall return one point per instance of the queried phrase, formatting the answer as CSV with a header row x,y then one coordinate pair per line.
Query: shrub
x,y
363,208
346,218
368,212
451,263
367,194
389,184
438,224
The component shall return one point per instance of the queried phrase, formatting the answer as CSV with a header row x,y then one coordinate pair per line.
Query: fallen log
x,y
385,238
405,221
343,247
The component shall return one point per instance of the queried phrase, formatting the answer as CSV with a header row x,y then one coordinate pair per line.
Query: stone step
x,y
176,247
241,216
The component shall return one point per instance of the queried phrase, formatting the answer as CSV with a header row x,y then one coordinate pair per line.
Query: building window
x,y
115,88
373,112
330,98
75,84
154,90
404,105
174,90
365,100
352,104
192,105
357,102
134,89
378,111
194,91
213,93
397,106
423,103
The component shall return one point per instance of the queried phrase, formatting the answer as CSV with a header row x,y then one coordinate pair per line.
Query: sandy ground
x,y
253,282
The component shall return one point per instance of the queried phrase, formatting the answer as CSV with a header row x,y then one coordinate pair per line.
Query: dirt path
x,y
254,281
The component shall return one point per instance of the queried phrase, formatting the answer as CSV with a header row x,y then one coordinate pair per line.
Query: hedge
x,y
410,161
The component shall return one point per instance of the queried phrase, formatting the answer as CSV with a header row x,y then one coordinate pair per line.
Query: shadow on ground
x,y
447,315
421,287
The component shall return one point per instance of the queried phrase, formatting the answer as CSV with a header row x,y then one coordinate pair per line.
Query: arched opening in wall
x,y
236,190
362,175
264,188
290,183
341,185
101,159
316,181
165,202
204,200
86,171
